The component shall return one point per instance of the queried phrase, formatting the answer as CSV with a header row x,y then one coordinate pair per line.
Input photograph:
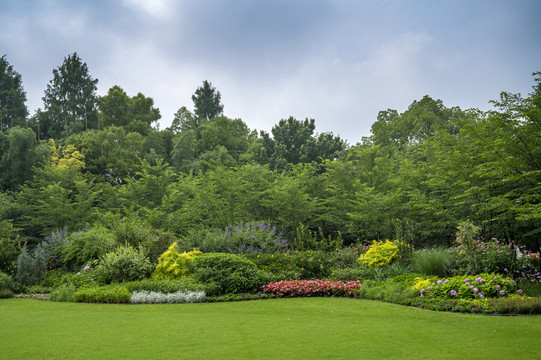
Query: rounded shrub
x,y
85,246
231,273
125,263
380,253
173,264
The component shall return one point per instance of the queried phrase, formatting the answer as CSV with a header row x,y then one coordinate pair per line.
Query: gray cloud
x,y
338,61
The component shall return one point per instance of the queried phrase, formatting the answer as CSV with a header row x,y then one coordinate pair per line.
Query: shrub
x,y
231,273
384,272
30,268
151,297
85,246
10,248
291,288
89,275
6,294
388,290
347,274
243,238
436,262
63,294
173,264
306,239
6,282
345,257
380,253
166,286
37,289
295,264
516,305
52,248
103,294
124,264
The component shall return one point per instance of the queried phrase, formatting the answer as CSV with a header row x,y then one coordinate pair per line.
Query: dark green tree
x,y
207,102
13,110
70,100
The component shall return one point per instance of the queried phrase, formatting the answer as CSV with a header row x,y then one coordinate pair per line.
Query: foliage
x,y
437,262
151,297
103,294
345,257
515,305
12,97
291,288
70,100
88,275
6,293
239,297
52,248
63,294
231,273
87,245
125,263
10,247
30,268
242,238
172,264
207,102
347,274
380,253
467,287
306,239
295,264
388,290
6,282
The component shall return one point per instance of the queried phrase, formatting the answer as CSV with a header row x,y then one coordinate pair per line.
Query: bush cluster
x,y
172,264
380,253
468,287
108,294
125,263
295,264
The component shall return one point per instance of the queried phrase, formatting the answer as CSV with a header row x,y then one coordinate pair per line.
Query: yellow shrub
x,y
173,264
380,253
421,283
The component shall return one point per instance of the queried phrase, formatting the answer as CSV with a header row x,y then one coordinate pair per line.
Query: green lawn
x,y
300,328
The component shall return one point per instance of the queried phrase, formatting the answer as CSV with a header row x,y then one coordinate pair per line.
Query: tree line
x,y
85,160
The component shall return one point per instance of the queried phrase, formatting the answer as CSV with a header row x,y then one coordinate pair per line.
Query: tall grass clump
x,y
433,262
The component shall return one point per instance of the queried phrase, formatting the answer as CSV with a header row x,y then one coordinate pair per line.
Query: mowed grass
x,y
300,328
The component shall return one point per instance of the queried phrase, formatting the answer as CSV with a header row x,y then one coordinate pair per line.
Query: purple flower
x,y
520,291
471,287
467,280
482,281
498,287
422,292
86,268
478,279
495,278
429,288
439,282
475,290
502,293
481,296
453,293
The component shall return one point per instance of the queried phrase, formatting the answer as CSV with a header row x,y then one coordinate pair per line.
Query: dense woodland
x,y
89,163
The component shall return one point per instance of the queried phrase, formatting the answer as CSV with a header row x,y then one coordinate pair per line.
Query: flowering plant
x,y
292,288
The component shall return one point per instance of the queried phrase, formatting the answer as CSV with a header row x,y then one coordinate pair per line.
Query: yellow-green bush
x,y
380,253
421,283
173,264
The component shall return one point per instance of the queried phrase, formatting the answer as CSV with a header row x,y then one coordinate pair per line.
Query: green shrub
x,y
63,294
471,287
243,238
166,286
347,274
516,305
52,248
172,264
89,275
380,253
231,273
30,268
6,282
84,246
306,239
437,262
37,289
6,294
124,264
345,257
10,247
304,265
103,294
386,291
384,272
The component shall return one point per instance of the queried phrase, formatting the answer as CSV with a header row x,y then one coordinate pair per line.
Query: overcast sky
x,y
337,61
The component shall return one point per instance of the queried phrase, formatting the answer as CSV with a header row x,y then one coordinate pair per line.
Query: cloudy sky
x,y
337,61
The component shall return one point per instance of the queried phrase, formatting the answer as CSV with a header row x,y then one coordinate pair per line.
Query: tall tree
x,y
207,102
13,110
70,99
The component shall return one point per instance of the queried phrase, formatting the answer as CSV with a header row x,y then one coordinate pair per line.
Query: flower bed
x,y
291,288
